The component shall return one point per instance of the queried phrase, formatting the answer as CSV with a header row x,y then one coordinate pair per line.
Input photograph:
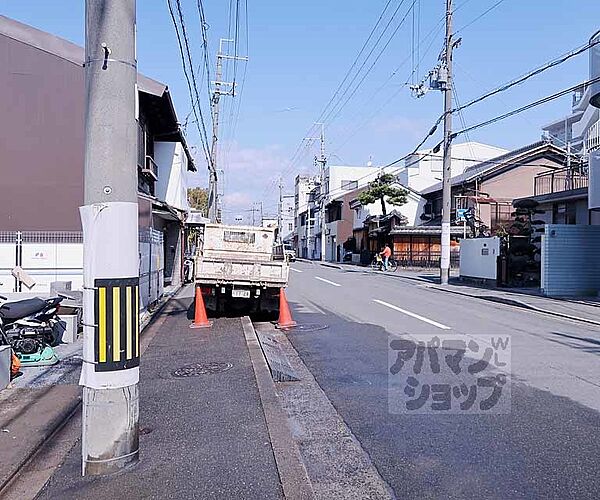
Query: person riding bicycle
x,y
386,253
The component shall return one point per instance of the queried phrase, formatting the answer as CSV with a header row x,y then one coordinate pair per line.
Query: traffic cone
x,y
200,318
285,315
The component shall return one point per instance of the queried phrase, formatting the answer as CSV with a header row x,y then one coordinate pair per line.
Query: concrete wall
x,y
41,139
570,263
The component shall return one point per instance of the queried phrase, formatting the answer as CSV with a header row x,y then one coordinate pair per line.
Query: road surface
x,y
546,446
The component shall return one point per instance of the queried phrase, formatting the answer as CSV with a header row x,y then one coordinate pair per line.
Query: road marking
x,y
412,315
327,281
296,270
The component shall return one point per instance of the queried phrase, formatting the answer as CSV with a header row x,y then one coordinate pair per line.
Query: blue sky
x,y
300,51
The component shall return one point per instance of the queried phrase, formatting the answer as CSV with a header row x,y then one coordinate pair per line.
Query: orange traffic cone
x,y
285,315
200,318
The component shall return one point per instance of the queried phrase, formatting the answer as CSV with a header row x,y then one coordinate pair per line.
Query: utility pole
x,y
213,193
322,161
110,371
280,212
447,165
440,78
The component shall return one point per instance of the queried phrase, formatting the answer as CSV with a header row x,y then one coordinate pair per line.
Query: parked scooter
x,y
31,327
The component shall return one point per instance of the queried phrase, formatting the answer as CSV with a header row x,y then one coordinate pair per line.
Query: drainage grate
x,y
196,369
306,327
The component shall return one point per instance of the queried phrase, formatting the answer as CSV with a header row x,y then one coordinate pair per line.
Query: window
x,y
290,227
564,213
500,215
238,237
349,184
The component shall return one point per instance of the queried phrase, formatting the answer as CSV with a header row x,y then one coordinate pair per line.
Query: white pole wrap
x,y
111,295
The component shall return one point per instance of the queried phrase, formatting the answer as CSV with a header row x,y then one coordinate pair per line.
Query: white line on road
x,y
296,270
412,315
327,281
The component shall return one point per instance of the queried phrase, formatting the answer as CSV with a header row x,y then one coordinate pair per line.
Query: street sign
x,y
460,214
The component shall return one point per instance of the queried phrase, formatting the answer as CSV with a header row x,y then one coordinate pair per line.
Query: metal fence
x,y
558,181
49,256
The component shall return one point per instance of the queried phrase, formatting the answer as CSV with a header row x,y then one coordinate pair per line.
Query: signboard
x,y
460,214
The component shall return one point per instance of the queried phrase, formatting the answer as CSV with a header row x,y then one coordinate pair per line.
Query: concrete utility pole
x,y
213,193
322,161
110,372
280,212
447,170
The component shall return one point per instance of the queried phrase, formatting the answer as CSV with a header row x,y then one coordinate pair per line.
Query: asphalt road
x,y
544,445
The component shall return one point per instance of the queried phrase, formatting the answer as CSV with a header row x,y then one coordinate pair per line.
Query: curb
x,y
517,303
327,264
292,473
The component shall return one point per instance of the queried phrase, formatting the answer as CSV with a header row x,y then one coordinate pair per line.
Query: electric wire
x,y
194,98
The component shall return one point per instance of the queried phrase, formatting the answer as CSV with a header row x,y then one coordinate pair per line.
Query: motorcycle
x,y
32,328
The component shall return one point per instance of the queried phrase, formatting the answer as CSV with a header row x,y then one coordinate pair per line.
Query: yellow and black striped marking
x,y
117,332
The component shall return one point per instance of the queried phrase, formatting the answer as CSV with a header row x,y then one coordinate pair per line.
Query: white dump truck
x,y
238,269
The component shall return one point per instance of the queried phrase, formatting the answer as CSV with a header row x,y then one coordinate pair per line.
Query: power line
x,y
205,46
433,32
332,101
478,17
543,100
356,59
197,112
330,118
530,74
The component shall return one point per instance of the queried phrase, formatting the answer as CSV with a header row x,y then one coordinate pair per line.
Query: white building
x,y
425,168
339,179
304,218
287,218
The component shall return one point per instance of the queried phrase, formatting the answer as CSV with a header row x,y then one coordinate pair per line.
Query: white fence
x,y
45,255
49,256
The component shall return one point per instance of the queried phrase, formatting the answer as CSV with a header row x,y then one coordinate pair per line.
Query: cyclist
x,y
386,253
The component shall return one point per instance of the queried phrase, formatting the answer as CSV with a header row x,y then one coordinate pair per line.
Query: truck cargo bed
x,y
242,272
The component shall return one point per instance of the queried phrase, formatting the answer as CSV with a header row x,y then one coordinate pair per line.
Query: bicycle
x,y
377,264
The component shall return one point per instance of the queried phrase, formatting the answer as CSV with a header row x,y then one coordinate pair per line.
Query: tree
x,y
198,199
382,188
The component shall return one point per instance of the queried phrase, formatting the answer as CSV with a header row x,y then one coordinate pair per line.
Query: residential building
x,y
339,179
570,197
42,158
303,236
366,228
491,186
424,169
287,218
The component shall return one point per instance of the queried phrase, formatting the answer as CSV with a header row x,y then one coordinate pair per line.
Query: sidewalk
x,y
202,435
584,309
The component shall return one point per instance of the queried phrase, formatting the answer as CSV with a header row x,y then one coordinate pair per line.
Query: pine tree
x,y
382,188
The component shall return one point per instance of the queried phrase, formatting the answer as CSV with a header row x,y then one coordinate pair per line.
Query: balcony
x,y
592,140
150,168
561,180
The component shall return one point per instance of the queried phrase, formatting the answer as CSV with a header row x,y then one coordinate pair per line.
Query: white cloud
x,y
250,175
